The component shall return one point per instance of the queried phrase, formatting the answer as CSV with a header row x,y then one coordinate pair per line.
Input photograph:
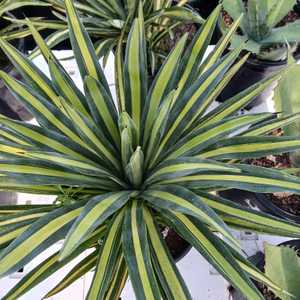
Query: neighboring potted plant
x,y
106,22
265,30
286,98
281,264
123,169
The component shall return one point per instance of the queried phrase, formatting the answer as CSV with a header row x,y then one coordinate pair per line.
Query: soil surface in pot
x,y
168,43
286,201
176,244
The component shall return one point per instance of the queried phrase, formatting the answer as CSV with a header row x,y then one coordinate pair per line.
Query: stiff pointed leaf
x,y
79,270
67,88
103,109
237,102
271,125
135,72
47,115
83,47
94,137
119,280
169,275
226,207
24,170
29,214
8,5
179,199
48,140
195,99
185,166
137,253
49,266
97,210
215,252
45,232
246,147
159,126
11,232
196,50
198,140
107,259
164,82
31,73
214,56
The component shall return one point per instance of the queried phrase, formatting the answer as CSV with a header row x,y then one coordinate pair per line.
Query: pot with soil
x,y
9,106
268,52
283,205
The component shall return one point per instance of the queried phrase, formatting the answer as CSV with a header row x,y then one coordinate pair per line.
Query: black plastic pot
x,y
253,71
258,201
205,8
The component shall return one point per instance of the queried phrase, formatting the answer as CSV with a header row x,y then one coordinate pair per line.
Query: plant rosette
x,y
124,167
258,66
107,23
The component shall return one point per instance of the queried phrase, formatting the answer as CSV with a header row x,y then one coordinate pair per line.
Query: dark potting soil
x,y
168,43
286,201
176,244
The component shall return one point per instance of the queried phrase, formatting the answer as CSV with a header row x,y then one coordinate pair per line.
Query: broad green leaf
x,y
282,266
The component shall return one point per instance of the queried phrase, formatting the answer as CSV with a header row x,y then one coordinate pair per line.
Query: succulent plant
x,y
123,169
259,27
286,98
282,264
106,21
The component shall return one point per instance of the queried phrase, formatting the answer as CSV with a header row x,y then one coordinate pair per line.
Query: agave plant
x,y
260,26
106,21
123,170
